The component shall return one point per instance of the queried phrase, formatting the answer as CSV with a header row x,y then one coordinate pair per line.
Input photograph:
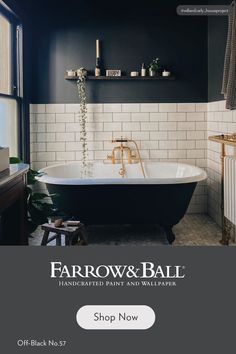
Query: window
x,y
5,50
11,91
9,125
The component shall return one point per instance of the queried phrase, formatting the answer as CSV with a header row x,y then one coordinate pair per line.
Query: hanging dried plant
x,y
83,119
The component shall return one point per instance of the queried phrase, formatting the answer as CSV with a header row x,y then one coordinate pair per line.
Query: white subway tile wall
x,y
164,132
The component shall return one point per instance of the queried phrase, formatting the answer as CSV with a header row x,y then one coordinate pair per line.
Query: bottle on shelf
x,y
143,70
97,68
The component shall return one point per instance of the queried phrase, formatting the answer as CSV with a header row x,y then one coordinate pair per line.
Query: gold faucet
x,y
123,149
120,149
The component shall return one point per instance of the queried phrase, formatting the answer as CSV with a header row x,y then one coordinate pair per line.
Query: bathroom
x,y
170,116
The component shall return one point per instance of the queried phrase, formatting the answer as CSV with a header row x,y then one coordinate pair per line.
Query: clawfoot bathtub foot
x,y
170,235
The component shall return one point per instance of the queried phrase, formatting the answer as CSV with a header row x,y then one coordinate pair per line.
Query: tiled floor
x,y
193,230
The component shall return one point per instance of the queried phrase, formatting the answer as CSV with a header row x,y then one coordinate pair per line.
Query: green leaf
x,y
36,215
14,160
38,209
31,176
29,190
39,196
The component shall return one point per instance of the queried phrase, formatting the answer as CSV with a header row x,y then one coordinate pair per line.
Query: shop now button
x,y
118,317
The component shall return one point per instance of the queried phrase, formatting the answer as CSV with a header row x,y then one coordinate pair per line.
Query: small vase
x,y
152,72
81,71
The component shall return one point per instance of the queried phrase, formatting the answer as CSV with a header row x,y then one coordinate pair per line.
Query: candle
x,y
97,48
166,73
134,73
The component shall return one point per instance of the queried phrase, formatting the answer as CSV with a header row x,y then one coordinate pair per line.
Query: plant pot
x,y
152,72
71,73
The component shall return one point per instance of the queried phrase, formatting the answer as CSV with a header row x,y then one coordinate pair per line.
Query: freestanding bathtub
x,y
106,198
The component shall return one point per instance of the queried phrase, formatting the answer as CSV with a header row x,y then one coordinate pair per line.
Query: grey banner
x,y
203,10
195,316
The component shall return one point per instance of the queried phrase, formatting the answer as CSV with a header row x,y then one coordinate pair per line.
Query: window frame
x,y
16,92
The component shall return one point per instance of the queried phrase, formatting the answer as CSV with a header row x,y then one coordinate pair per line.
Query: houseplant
x,y
153,67
83,118
39,205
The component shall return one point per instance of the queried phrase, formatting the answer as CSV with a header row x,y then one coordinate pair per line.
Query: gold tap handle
x,y
122,147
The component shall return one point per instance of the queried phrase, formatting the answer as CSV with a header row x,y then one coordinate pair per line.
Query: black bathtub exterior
x,y
163,204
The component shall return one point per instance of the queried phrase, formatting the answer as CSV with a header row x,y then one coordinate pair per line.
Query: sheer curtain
x,y
9,125
9,101
5,56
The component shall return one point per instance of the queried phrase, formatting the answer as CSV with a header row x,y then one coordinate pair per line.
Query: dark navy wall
x,y
217,36
64,34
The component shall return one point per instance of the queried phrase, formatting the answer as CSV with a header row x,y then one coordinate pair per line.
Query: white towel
x,y
229,77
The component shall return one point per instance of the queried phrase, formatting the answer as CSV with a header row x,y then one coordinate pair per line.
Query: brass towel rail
x,y
224,139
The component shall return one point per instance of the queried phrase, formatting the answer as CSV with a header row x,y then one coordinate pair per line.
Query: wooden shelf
x,y
123,78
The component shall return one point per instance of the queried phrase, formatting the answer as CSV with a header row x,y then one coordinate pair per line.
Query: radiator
x,y
230,189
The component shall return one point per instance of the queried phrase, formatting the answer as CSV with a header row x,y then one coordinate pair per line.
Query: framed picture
x,y
113,72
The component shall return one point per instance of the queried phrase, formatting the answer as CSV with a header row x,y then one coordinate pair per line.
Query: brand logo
x,y
144,270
